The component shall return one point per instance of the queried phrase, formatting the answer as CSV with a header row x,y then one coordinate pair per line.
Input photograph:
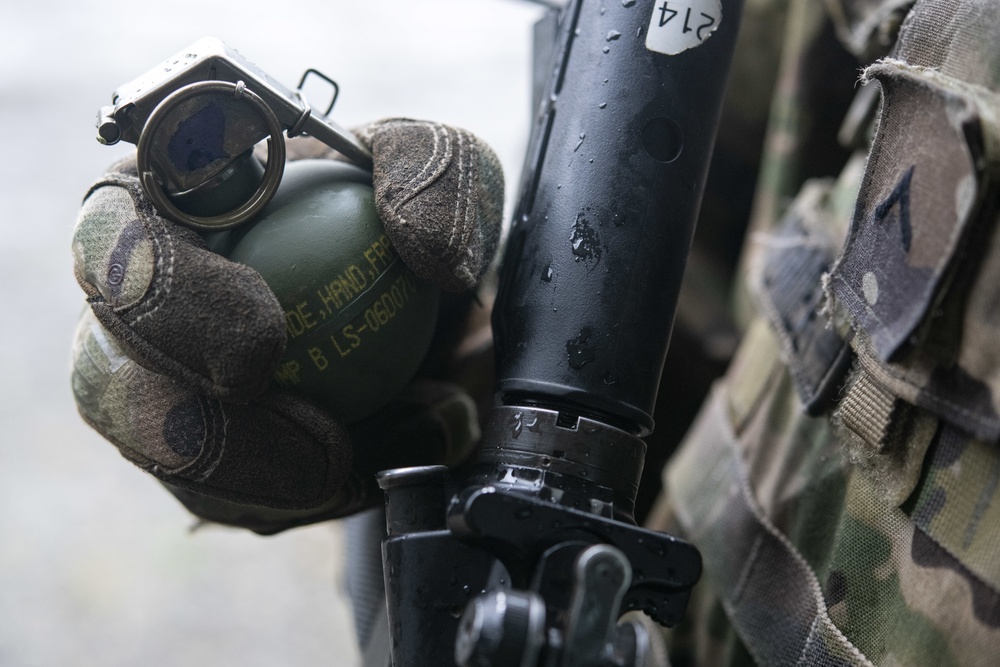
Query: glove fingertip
x,y
439,191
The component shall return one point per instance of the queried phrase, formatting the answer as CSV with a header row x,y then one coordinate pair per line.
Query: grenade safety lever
x,y
195,119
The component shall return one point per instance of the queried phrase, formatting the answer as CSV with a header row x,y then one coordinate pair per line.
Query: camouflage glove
x,y
174,359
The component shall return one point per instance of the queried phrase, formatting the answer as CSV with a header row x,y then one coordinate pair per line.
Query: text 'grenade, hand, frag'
x,y
359,322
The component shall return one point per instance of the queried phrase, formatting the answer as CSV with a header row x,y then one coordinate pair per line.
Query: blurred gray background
x,y
97,563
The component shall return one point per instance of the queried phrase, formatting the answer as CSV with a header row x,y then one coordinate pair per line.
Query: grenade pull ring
x,y
195,119
152,182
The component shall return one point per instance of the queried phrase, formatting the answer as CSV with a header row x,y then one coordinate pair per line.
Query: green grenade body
x,y
358,321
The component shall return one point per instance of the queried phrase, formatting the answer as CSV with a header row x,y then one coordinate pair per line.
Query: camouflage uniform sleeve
x,y
843,480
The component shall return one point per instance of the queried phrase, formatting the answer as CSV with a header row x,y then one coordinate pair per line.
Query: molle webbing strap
x,y
869,411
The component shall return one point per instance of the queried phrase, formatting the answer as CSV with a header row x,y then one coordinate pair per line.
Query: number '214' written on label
x,y
679,25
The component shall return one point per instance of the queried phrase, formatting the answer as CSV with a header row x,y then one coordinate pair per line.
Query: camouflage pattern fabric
x,y
843,480
814,91
917,280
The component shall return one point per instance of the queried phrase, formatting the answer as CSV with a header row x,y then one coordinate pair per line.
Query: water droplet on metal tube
x,y
517,423
581,350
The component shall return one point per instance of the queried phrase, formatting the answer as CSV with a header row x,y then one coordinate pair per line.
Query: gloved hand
x,y
174,359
